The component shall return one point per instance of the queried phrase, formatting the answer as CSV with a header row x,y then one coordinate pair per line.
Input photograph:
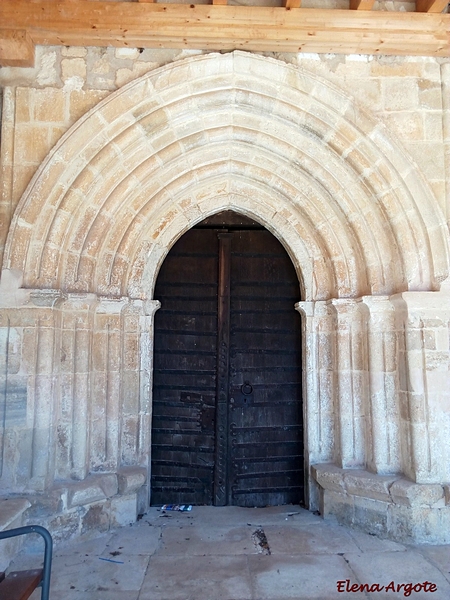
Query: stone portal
x,y
363,230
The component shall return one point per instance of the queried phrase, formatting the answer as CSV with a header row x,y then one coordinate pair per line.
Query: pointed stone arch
x,y
228,131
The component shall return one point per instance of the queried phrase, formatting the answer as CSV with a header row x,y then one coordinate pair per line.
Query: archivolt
x,y
228,131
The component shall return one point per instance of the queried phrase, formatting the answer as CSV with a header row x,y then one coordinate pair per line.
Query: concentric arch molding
x,y
229,131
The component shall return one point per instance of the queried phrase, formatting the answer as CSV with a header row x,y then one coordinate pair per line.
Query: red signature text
x,y
406,588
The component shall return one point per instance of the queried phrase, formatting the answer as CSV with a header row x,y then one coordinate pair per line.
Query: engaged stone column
x,y
383,435
132,318
352,383
146,380
44,414
106,386
426,410
445,73
318,333
72,449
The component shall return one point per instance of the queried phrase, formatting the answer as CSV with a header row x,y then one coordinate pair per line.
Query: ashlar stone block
x,y
96,518
447,494
363,483
92,489
408,493
329,477
123,510
371,515
131,479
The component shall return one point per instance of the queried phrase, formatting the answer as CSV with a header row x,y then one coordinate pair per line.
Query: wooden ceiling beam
x,y
292,3
361,4
432,6
215,27
16,48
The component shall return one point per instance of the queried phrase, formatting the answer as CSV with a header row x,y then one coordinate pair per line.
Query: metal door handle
x,y
246,388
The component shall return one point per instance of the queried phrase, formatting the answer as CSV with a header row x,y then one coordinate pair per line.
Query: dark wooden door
x,y
265,417
227,412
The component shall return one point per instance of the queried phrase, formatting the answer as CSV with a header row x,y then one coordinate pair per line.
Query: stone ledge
x,y
368,485
12,514
131,479
408,493
388,488
92,489
387,506
11,511
329,476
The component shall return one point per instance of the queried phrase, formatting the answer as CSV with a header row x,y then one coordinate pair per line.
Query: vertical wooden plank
x,y
265,419
223,344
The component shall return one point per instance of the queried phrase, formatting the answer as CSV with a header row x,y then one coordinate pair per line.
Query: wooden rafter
x,y
215,27
292,3
434,6
361,4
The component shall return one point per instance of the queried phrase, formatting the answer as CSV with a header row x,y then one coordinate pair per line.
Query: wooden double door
x,y
227,410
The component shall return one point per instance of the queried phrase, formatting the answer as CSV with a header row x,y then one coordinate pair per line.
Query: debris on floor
x,y
180,507
260,540
119,562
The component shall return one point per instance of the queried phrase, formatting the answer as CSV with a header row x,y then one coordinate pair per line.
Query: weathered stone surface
x,y
123,510
337,506
131,479
369,485
96,517
447,494
109,484
85,495
371,515
11,511
90,490
12,514
65,526
329,477
408,493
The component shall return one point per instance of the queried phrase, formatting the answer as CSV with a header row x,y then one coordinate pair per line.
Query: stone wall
x,y
345,159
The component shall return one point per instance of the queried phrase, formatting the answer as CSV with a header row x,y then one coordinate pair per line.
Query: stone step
x,y
12,512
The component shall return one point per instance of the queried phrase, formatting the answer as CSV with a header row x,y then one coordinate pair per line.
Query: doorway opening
x,y
227,423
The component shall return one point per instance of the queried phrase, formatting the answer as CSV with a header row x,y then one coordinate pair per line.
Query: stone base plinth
x,y
96,504
389,506
12,513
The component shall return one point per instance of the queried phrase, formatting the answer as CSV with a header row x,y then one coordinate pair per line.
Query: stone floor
x,y
231,553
